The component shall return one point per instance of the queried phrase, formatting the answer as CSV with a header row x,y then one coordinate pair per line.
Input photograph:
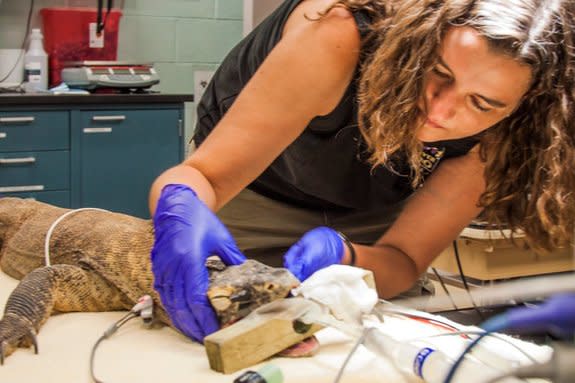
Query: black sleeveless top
x,y
326,166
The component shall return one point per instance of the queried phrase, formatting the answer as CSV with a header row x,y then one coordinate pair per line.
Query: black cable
x,y
445,290
464,279
23,45
455,366
112,329
493,335
100,25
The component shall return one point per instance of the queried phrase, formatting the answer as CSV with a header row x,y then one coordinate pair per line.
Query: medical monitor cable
x,y
464,280
444,287
144,309
53,226
356,345
557,315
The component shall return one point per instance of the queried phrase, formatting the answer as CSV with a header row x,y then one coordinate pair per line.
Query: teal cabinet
x,y
99,151
35,155
122,152
34,130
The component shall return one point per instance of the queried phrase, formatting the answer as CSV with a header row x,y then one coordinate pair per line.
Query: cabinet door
x,y
121,153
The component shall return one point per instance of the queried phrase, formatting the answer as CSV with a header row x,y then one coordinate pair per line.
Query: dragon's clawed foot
x,y
15,332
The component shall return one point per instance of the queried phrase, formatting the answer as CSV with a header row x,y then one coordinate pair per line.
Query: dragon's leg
x,y
58,288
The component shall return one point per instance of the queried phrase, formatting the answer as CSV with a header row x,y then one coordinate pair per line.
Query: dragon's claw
x,y
15,332
34,339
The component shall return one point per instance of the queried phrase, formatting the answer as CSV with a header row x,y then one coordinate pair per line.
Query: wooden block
x,y
254,339
258,337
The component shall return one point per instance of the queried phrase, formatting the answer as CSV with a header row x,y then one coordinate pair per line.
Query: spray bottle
x,y
35,64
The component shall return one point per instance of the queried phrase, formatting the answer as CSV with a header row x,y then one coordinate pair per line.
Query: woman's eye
x,y
478,105
441,73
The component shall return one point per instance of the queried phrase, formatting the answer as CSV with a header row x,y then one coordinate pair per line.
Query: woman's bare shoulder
x,y
336,26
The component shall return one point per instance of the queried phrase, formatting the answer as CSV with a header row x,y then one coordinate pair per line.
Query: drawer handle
x,y
108,118
3,135
16,119
23,160
97,130
10,189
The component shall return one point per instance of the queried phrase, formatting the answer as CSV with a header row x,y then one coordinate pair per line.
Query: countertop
x,y
27,99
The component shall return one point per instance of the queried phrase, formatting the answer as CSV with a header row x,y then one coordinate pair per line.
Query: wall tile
x,y
171,8
179,36
206,41
147,39
229,9
179,77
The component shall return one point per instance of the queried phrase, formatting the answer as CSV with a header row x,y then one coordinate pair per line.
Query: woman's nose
x,y
441,102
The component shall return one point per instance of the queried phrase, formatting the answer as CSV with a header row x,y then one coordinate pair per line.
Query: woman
x,y
394,122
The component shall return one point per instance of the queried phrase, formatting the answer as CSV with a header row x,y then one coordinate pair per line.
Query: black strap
x,y
349,245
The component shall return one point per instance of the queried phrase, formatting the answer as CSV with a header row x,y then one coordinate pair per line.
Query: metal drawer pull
x,y
23,160
16,119
97,130
2,135
10,189
108,118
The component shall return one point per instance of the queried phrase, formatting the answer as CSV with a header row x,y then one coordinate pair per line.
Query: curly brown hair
x,y
530,155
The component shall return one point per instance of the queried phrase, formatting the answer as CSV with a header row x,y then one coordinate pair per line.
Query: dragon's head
x,y
236,291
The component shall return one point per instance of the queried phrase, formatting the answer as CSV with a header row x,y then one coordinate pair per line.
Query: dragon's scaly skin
x,y
101,262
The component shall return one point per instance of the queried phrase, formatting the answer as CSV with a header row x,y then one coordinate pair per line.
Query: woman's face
x,y
470,88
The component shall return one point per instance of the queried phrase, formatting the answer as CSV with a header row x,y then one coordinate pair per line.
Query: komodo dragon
x,y
101,262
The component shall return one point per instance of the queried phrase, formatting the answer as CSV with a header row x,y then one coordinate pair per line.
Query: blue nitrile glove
x,y
318,248
186,233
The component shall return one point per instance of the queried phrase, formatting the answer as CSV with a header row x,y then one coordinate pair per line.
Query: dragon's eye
x,y
241,296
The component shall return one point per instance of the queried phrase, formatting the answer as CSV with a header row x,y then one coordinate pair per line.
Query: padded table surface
x,y
137,354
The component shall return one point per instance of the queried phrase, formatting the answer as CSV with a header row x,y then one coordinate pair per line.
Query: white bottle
x,y
35,64
428,363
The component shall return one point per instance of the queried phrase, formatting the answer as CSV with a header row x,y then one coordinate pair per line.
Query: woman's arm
x,y
431,219
304,76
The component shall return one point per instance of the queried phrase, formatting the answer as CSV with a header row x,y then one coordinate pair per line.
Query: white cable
x,y
53,226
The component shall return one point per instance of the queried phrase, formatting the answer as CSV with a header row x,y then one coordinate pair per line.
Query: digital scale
x,y
109,74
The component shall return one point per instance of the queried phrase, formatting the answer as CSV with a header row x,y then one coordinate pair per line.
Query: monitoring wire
x,y
454,331
53,226
461,357
444,287
531,358
464,280
556,314
23,45
480,335
144,308
349,355
112,329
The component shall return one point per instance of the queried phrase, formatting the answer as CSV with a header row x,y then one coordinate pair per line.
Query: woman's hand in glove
x,y
186,233
318,248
